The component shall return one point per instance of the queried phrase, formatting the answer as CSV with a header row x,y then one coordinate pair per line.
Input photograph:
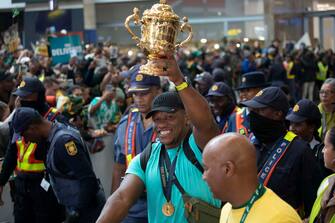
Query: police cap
x,y
304,110
221,89
272,97
142,82
23,117
28,86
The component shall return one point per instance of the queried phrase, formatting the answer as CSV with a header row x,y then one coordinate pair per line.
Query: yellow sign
x,y
42,50
234,32
71,148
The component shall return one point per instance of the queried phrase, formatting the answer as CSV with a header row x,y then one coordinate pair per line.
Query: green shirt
x,y
106,113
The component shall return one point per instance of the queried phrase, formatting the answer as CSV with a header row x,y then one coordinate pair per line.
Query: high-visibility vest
x,y
26,161
317,204
288,67
322,73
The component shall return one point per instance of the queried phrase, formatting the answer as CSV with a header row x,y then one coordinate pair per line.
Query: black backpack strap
x,y
190,154
145,156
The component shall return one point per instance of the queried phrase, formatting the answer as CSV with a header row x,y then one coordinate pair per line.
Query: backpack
x,y
145,155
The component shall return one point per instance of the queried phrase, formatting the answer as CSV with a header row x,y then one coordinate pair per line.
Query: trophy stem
x,y
151,68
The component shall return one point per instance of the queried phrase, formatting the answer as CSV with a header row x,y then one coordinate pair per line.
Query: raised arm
x,y
118,204
195,105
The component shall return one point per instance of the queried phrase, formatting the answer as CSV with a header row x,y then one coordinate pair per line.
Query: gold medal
x,y
168,209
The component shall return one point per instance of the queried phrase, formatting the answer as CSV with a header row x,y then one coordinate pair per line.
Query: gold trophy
x,y
159,30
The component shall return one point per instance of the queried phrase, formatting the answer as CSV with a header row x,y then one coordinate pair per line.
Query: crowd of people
x,y
235,134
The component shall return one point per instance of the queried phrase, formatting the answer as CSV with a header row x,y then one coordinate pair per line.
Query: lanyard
x,y
167,172
258,193
130,137
278,151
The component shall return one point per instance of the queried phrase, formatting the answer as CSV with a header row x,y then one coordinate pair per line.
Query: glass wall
x,y
292,19
210,19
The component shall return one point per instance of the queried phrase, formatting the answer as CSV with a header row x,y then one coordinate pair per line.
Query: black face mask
x,y
32,104
266,130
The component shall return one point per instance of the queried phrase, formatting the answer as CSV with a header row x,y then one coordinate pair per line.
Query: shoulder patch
x,y
71,148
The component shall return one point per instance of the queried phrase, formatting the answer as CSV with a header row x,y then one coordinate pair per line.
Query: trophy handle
x,y
185,26
137,20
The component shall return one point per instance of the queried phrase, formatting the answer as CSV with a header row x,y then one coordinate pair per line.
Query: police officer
x,y
305,120
68,165
285,163
252,83
223,104
134,133
27,159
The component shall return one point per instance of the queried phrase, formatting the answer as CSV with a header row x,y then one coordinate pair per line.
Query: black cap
x,y
220,89
304,110
269,97
142,82
23,117
166,102
253,80
28,86
219,74
205,78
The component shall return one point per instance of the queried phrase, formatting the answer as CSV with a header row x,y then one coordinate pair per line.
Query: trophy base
x,y
152,69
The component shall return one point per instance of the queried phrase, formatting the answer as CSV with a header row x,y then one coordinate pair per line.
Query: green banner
x,y
65,47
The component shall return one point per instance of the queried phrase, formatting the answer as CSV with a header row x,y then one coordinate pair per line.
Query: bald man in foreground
x,y
231,173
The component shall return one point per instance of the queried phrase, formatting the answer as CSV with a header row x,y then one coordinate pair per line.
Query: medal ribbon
x,y
167,172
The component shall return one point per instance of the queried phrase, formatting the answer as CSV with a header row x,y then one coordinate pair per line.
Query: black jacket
x,y
296,177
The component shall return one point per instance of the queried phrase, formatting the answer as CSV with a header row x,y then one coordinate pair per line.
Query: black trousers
x,y
32,204
91,213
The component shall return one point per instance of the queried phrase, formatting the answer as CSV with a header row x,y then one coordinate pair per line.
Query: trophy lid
x,y
161,10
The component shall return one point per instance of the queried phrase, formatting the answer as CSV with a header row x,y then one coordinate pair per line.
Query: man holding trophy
x,y
170,170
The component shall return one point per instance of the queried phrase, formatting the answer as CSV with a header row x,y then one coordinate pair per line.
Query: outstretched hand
x,y
170,69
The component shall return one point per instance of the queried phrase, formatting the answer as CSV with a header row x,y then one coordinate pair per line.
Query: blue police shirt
x,y
74,160
143,137
187,174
